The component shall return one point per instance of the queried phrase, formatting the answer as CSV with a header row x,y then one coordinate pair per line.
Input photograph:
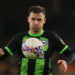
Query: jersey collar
x,y
36,35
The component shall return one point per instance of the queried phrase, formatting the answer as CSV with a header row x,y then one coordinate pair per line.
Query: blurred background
x,y
60,18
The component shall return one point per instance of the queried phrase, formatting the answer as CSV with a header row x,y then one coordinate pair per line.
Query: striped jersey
x,y
40,66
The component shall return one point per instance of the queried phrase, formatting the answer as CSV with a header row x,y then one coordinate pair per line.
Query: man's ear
x,y
45,20
27,18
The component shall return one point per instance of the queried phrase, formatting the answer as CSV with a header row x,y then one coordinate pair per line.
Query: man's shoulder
x,y
50,33
21,34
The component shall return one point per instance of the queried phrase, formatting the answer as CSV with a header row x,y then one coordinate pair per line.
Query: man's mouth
x,y
35,26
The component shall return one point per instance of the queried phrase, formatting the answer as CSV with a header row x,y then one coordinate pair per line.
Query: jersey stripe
x,y
50,67
31,66
9,51
39,67
24,66
64,49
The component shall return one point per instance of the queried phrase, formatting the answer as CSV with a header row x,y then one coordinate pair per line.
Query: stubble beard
x,y
36,30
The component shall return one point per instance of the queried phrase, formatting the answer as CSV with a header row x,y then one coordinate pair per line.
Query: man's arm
x,y
11,47
63,63
14,45
63,49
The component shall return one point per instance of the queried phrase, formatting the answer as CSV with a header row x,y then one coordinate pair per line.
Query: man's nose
x,y
36,22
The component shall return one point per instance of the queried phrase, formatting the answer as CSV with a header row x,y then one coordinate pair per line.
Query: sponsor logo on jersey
x,y
45,43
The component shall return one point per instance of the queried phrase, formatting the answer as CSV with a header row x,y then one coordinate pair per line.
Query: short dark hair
x,y
37,9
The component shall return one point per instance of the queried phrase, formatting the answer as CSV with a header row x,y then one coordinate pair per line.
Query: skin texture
x,y
1,52
62,65
36,22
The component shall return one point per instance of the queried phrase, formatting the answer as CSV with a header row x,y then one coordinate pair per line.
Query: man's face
x,y
36,21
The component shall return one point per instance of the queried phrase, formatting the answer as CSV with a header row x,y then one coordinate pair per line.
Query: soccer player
x,y
51,42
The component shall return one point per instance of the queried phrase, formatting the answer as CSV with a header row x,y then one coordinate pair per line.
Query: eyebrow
x,y
39,19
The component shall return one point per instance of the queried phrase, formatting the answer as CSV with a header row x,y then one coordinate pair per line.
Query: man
x,y
51,41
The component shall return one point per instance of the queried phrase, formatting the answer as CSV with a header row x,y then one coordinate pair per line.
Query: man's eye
x,y
33,18
39,19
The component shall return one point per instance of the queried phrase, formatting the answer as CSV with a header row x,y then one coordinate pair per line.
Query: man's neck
x,y
35,32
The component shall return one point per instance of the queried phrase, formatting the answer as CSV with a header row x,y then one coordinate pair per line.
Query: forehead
x,y
37,15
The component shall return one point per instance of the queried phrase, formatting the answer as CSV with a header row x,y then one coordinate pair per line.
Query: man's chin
x,y
36,30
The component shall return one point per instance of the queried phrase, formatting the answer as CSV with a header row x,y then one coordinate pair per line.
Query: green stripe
x,y
24,39
50,73
64,49
24,66
9,51
39,67
36,35
46,46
